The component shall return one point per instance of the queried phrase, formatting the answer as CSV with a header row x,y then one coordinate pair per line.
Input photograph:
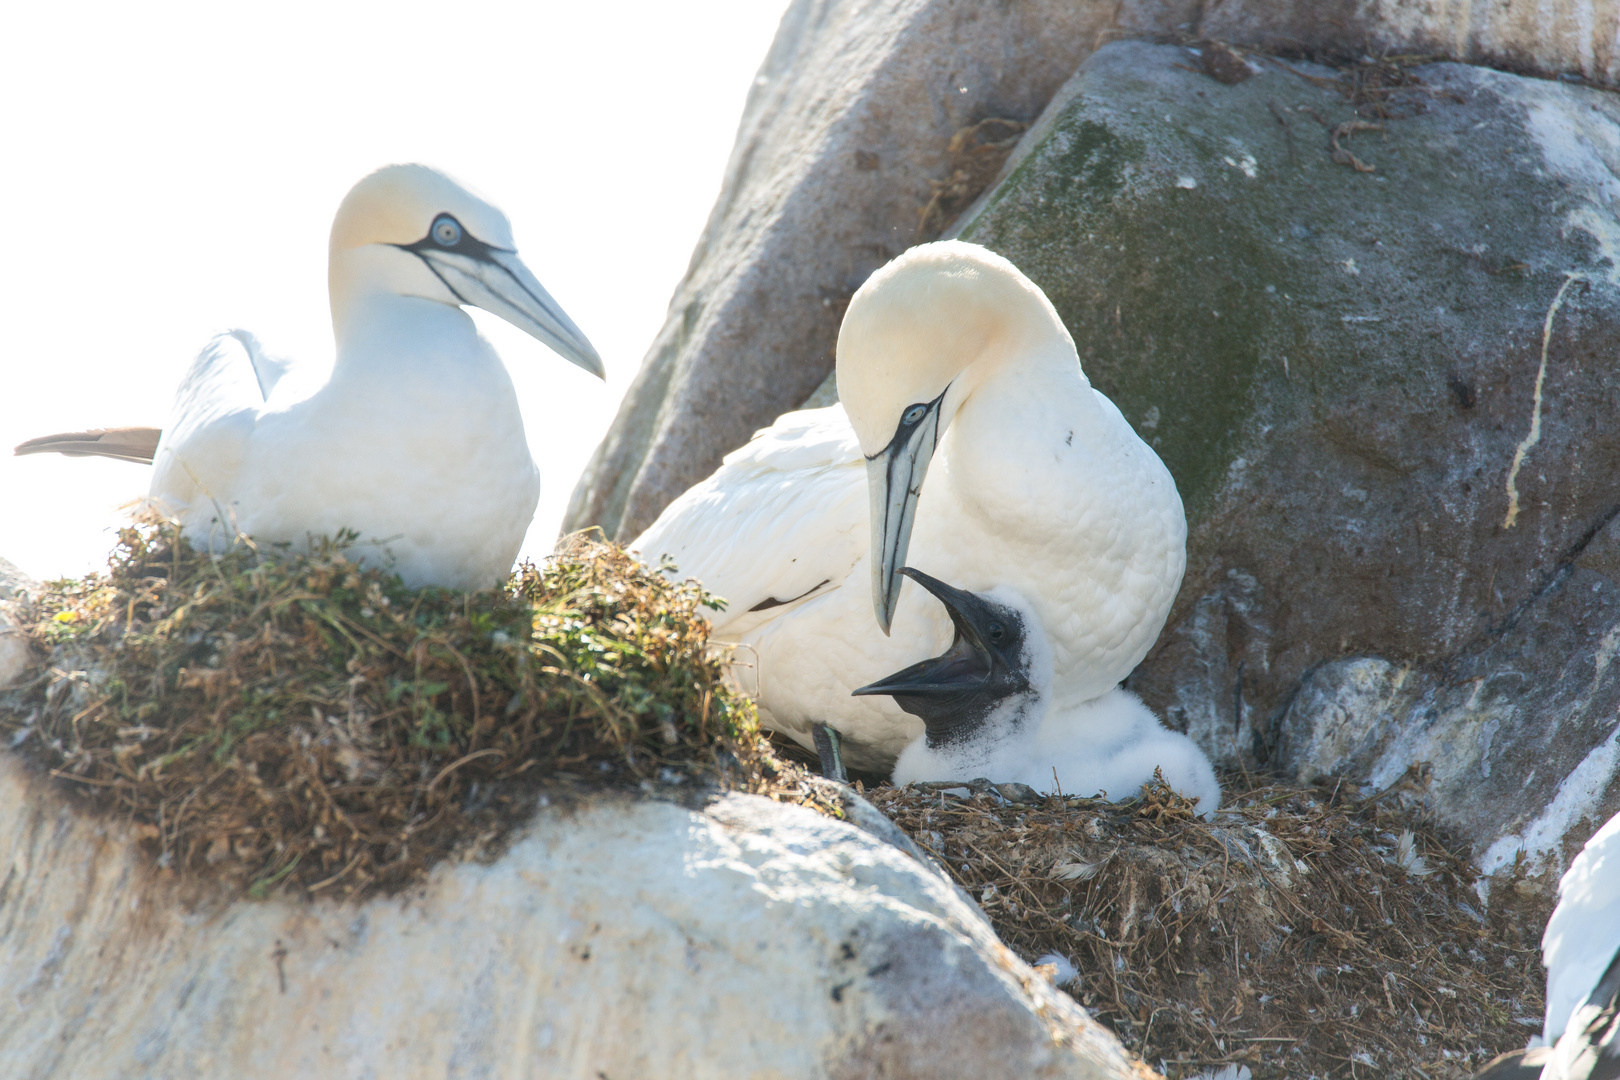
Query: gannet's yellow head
x,y
398,203
413,231
919,336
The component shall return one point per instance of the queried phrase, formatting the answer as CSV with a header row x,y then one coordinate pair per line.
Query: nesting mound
x,y
1304,933
302,722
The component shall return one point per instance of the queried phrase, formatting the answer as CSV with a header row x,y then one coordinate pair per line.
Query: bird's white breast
x,y
415,442
1058,498
1055,497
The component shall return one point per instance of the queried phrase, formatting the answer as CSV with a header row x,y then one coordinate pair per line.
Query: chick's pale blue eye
x,y
447,232
915,414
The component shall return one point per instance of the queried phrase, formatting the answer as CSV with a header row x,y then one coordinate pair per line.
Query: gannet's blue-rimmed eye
x,y
914,414
446,231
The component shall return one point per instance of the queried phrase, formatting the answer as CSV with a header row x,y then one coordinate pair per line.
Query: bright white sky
x,y
172,170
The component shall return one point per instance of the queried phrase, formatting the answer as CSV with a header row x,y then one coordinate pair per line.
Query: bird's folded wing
x,y
782,519
1590,1046
1583,934
267,369
209,425
124,443
1516,1065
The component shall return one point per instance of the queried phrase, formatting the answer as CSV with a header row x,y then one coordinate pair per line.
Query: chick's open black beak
x,y
967,665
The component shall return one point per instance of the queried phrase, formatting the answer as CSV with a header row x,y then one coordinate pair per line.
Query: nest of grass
x,y
302,722
1303,933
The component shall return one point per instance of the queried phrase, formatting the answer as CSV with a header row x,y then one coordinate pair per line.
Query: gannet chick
x,y
986,711
1581,952
414,441
955,369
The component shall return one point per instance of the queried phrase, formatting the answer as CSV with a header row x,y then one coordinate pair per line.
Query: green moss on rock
x,y
1219,269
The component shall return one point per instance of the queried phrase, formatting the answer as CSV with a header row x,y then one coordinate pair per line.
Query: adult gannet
x,y
983,704
1581,952
952,366
414,441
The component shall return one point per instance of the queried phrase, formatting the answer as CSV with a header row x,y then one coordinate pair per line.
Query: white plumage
x,y
414,441
1583,935
1038,483
986,706
1581,952
1108,746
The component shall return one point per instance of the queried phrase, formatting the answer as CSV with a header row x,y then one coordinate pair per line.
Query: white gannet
x,y
984,707
415,440
1581,952
952,366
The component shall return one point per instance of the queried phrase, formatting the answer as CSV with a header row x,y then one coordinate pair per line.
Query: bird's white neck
x,y
995,748
1017,398
382,295
387,326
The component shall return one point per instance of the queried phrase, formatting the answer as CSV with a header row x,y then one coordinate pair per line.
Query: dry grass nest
x,y
1304,933
299,722
302,724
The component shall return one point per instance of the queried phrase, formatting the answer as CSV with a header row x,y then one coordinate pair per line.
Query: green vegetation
x,y
299,719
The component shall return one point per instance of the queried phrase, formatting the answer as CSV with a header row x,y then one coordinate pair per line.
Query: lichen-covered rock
x,y
619,937
849,124
1378,358
1576,37
15,656
13,582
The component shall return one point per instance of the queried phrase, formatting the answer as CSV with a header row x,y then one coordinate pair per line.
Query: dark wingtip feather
x,y
137,444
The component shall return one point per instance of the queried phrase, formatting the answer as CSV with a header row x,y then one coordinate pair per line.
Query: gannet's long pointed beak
x,y
497,281
894,479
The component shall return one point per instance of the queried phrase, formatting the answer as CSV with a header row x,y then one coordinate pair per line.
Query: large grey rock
x,y
848,119
1344,372
15,655
617,938
847,125
13,582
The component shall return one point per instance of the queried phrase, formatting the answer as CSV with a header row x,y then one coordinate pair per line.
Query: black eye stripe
x,y
447,235
910,419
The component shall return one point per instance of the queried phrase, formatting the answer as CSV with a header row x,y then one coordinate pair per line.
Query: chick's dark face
x,y
955,693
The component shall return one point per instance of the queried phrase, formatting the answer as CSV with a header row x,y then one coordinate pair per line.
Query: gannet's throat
x,y
956,693
894,481
493,278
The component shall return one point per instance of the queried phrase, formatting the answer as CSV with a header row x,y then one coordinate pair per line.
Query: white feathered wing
x,y
783,519
212,419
